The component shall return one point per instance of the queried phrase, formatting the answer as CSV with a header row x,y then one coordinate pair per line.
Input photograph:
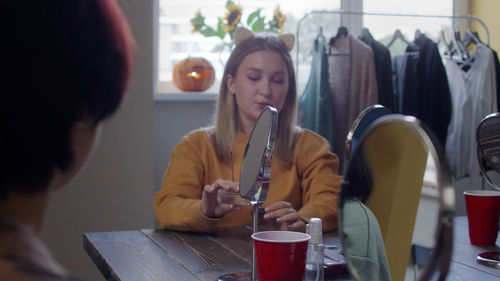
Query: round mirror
x,y
396,203
360,124
488,149
256,166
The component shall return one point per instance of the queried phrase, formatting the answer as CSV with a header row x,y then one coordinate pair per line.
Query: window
x,y
176,40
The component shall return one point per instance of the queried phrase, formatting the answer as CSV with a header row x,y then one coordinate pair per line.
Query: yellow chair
x,y
400,159
388,173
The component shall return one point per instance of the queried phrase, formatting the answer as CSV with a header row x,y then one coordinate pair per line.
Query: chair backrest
x,y
398,176
386,173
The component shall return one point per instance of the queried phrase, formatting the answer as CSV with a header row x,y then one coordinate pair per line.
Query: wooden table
x,y
464,265
170,255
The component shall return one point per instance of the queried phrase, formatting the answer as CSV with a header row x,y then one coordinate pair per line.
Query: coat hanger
x,y
320,40
476,35
341,32
449,46
458,42
470,38
417,34
457,52
365,34
320,33
398,35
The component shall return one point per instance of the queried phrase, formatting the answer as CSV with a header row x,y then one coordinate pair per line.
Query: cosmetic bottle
x,y
315,252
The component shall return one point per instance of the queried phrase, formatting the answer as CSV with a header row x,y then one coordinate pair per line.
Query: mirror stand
x,y
255,219
247,276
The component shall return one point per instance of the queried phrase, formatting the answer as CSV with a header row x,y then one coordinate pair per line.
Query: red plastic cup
x,y
483,207
280,255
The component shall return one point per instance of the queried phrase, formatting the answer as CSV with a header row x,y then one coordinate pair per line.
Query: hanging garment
x,y
473,97
398,79
434,98
353,86
405,67
383,70
497,75
315,104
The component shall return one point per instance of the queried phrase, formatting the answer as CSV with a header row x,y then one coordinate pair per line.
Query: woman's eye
x,y
253,78
278,79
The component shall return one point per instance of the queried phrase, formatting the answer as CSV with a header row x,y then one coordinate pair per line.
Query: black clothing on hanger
x,y
434,101
383,70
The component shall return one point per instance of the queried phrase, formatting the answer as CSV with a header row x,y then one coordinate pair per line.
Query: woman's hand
x,y
209,205
284,217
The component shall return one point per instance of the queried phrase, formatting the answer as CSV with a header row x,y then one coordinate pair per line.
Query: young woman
x,y
64,68
304,181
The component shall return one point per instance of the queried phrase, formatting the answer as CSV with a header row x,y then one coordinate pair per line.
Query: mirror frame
x,y
441,255
482,158
258,191
356,126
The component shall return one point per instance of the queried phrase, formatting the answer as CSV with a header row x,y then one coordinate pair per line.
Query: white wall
x,y
173,119
115,191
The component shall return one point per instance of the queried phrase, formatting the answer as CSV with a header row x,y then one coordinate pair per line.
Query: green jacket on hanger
x,y
315,104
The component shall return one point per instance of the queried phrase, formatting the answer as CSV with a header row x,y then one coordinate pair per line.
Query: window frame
x,y
166,90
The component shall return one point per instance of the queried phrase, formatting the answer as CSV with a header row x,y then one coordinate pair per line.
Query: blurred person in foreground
x,y
64,69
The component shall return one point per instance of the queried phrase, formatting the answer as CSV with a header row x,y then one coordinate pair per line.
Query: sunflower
x,y
233,16
197,22
227,24
279,19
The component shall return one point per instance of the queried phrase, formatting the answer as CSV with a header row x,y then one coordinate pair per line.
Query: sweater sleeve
x,y
318,168
177,204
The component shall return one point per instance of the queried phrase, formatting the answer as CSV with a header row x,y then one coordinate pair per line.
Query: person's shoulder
x,y
195,141
306,136
199,135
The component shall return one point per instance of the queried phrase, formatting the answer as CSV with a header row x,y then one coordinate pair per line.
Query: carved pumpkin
x,y
193,74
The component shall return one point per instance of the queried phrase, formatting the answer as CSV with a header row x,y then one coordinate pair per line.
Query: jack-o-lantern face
x,y
193,74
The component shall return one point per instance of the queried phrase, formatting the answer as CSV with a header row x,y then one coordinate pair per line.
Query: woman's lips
x,y
263,104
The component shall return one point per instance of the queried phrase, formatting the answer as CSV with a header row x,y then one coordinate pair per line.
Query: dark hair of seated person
x,y
358,180
59,60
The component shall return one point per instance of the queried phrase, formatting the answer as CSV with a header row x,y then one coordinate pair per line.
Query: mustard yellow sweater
x,y
311,183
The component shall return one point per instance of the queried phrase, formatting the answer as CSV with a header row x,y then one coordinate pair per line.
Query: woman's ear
x,y
230,84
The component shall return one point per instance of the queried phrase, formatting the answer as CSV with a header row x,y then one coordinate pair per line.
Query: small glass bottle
x,y
315,252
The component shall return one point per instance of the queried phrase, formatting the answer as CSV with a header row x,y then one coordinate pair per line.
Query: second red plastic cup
x,y
483,214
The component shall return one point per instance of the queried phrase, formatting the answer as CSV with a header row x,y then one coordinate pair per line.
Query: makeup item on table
x,y
315,252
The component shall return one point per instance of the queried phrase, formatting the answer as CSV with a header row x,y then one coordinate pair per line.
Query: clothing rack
x,y
342,12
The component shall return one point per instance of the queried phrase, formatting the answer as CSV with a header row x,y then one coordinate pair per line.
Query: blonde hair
x,y
226,117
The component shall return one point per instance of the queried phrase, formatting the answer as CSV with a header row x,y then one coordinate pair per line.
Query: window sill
x,y
167,91
186,96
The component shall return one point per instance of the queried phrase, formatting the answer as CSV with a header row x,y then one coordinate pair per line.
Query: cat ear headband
x,y
242,33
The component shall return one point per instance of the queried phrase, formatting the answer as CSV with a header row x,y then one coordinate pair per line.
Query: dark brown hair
x,y
60,60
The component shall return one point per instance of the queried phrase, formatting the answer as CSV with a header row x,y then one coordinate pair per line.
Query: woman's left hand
x,y
284,217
